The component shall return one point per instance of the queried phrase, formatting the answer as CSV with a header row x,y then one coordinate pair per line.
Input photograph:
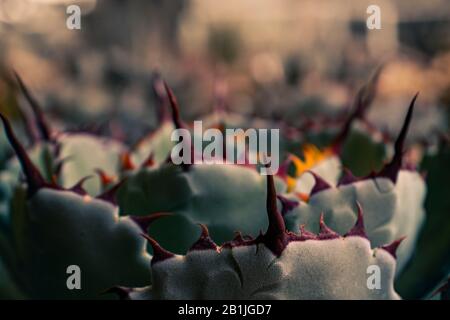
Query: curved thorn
x,y
283,170
110,194
305,234
325,232
159,253
34,178
358,229
347,178
126,162
204,242
287,205
176,118
144,222
392,247
205,231
149,162
43,126
238,236
105,179
320,184
78,187
391,170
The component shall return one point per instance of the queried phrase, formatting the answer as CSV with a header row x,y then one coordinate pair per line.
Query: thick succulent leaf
x,y
225,197
42,156
391,210
276,265
85,153
329,169
393,200
53,228
431,262
81,154
311,269
158,144
63,229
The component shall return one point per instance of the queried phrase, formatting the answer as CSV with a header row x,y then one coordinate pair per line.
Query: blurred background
x,y
273,58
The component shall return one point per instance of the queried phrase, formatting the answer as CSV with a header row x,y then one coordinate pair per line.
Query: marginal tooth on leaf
x,y
283,170
392,247
275,237
391,169
320,184
287,205
305,234
34,179
247,237
238,236
204,242
105,179
159,253
123,293
126,162
43,126
144,222
176,118
110,194
302,196
347,178
78,187
325,232
358,229
149,162
240,240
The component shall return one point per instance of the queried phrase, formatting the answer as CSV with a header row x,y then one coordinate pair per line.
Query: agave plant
x,y
53,216
275,265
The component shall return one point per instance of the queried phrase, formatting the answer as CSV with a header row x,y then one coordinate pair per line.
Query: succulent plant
x,y
276,265
53,228
208,194
62,156
393,200
52,216
431,253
